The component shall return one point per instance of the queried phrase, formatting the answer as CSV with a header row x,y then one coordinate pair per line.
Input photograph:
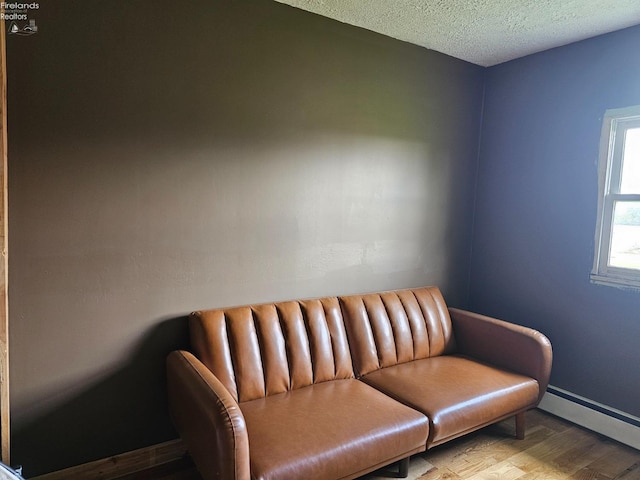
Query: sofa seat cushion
x,y
458,395
333,430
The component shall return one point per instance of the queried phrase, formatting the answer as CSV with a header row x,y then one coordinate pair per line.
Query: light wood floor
x,y
552,450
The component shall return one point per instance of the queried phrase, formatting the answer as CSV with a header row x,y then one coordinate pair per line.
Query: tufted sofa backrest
x,y
385,329
261,350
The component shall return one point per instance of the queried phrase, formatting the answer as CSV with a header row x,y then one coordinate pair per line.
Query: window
x,y
617,253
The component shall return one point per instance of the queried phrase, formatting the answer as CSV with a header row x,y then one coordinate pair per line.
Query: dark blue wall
x,y
536,211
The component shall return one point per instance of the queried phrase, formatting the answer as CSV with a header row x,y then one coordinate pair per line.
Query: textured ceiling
x,y
484,32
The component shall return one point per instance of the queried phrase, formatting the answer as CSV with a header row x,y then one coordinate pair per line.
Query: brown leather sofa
x,y
337,387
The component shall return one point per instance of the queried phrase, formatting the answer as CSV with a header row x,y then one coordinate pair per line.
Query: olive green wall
x,y
170,156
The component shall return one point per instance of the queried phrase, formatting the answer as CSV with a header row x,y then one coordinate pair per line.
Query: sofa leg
x,y
403,468
520,426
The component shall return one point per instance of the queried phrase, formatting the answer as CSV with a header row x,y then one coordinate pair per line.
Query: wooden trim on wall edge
x,y
4,283
122,464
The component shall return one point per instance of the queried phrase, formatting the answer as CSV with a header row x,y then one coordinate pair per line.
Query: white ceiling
x,y
484,32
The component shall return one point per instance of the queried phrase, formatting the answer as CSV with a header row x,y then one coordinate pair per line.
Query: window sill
x,y
631,283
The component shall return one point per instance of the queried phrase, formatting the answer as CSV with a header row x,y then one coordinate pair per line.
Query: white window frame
x,y
614,125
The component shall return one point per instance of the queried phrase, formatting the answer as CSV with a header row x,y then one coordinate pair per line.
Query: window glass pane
x,y
625,236
630,182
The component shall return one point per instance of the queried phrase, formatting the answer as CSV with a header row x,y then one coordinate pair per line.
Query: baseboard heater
x,y
608,421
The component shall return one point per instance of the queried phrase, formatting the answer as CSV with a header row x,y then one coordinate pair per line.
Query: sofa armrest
x,y
208,419
512,347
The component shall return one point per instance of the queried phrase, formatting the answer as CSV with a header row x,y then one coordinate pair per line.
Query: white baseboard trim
x,y
608,421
